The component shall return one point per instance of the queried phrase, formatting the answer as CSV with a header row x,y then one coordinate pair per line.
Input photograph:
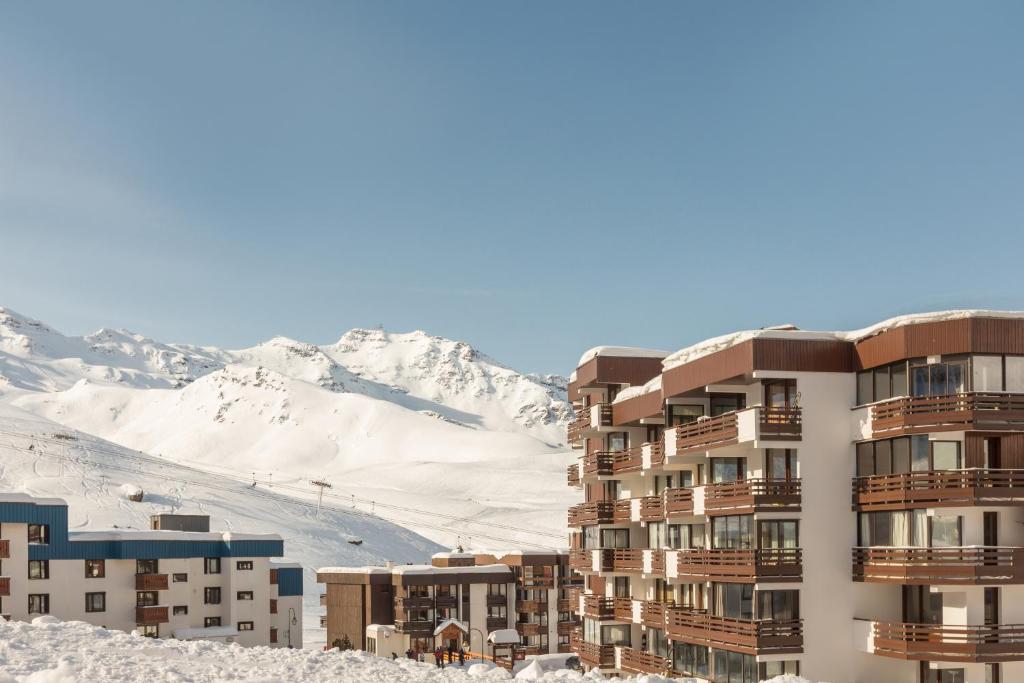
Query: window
x,y
614,538
778,533
179,610
95,569
732,531
783,605
728,469
620,587
95,602
734,667
656,535
1014,374
496,589
245,626
617,441
39,533
150,631
243,565
987,373
690,659
212,565
945,531
147,567
179,578
733,600
211,595
497,611
39,603
683,414
945,455
899,528
773,669
38,569
727,403
938,379
211,621
243,595
781,463
888,456
879,384
146,599
865,394
780,393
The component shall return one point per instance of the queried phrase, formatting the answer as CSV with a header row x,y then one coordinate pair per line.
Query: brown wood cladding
x,y
784,355
637,408
614,370
1011,450
967,335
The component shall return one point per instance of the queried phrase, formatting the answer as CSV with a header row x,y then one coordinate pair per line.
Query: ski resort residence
x,y
847,506
177,580
459,599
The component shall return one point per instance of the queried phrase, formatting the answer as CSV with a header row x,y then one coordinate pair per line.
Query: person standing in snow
x,y
438,658
462,657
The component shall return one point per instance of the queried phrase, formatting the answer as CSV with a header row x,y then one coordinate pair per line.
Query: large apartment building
x,y
846,506
176,580
458,599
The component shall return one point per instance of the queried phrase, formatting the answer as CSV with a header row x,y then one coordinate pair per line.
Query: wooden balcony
x,y
5,586
780,423
740,566
572,475
588,420
678,501
947,643
593,655
741,635
706,433
416,602
594,512
531,606
581,560
493,600
151,582
418,628
446,601
566,628
623,609
986,411
939,566
748,496
939,488
530,629
493,623
640,662
653,613
598,607
610,463
5,549
567,605
151,616
652,508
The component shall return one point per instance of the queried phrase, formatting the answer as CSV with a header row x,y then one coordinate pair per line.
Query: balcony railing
x,y
598,607
531,629
592,654
939,566
678,501
747,496
572,474
566,628
494,623
5,586
705,433
640,662
950,412
947,643
581,560
749,636
652,508
493,599
567,605
531,606
414,627
608,463
781,423
151,582
740,566
623,609
653,614
5,549
150,616
939,488
415,602
589,418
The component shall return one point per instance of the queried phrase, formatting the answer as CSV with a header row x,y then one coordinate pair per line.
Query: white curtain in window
x,y
901,529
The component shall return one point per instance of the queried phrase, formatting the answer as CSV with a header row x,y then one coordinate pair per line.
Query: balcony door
x,y
781,464
921,606
727,403
681,414
780,393
938,379
728,469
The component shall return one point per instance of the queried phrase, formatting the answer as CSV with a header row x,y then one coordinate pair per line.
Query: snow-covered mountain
x,y
420,429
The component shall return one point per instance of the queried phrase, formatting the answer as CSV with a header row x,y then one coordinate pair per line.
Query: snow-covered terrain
x,y
425,430
49,651
95,477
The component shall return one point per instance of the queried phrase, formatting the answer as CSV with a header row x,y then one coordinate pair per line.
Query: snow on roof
x,y
620,352
431,569
157,535
452,556
25,498
715,344
639,390
284,563
451,622
208,632
504,636
353,570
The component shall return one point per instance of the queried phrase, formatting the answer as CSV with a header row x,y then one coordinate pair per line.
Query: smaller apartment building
x,y
397,608
177,580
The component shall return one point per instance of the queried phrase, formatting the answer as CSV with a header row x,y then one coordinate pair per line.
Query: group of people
x,y
439,655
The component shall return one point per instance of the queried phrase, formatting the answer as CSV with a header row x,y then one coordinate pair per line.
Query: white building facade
x,y
161,583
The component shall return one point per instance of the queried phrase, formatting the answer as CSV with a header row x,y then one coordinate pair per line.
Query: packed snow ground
x,y
95,477
424,430
50,651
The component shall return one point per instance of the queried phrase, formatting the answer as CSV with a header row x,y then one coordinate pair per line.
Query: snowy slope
x,y
465,447
88,473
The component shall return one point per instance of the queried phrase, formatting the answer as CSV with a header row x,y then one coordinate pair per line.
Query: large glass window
x,y
617,441
727,403
938,379
734,667
147,566
780,393
778,533
864,388
781,463
783,605
987,373
656,536
733,600
945,455
617,634
690,659
728,469
732,531
946,531
615,538
901,529
1015,374
888,456
39,533
683,414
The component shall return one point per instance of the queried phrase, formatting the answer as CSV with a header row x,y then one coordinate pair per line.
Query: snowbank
x,y
130,492
49,651
620,352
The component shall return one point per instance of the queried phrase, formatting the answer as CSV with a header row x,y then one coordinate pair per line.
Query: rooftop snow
x,y
25,498
431,569
353,570
620,352
452,556
147,535
639,390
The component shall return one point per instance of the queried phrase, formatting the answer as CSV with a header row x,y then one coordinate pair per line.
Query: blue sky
x,y
532,177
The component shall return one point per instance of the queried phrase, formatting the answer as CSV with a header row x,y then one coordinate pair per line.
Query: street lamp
x,y
482,641
292,621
